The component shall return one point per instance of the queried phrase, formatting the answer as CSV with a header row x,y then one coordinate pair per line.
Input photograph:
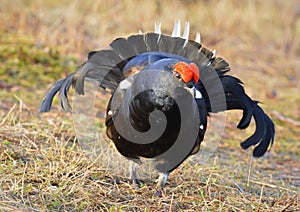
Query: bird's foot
x,y
137,183
161,182
159,192
116,180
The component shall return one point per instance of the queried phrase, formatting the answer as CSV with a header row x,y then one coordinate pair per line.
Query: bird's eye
x,y
177,75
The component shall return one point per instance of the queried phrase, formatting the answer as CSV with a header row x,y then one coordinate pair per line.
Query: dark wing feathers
x,y
63,93
47,101
237,99
107,67
61,87
267,139
263,135
103,67
90,54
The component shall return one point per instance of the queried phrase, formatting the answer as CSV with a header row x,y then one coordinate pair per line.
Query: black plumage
x,y
147,61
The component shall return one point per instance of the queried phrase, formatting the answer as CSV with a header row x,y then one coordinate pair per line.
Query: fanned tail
x,y
107,66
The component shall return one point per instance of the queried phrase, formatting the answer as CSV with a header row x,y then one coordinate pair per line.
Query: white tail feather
x,y
214,53
198,37
157,27
176,29
186,31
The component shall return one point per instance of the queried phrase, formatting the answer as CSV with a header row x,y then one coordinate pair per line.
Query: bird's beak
x,y
196,94
191,90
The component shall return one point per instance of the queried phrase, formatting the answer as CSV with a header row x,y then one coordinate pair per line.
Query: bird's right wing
x,y
237,99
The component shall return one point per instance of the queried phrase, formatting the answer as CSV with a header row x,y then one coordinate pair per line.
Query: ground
x,y
43,168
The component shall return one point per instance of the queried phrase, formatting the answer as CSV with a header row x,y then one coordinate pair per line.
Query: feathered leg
x,y
133,174
161,182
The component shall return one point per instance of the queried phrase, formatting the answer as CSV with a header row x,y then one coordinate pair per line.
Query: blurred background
x,y
44,40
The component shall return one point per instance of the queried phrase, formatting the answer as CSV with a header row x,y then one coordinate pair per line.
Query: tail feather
x,y
151,40
172,45
195,44
106,66
138,43
123,48
220,65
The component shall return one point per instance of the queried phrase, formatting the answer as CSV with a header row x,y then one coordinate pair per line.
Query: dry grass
x,y
43,168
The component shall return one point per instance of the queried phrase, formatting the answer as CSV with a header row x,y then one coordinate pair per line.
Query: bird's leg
x,y
161,182
133,175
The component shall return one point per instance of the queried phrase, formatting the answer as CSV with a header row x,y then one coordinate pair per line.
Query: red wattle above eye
x,y
187,71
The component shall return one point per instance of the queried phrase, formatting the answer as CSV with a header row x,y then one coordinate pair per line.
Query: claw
x,y
137,183
159,192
